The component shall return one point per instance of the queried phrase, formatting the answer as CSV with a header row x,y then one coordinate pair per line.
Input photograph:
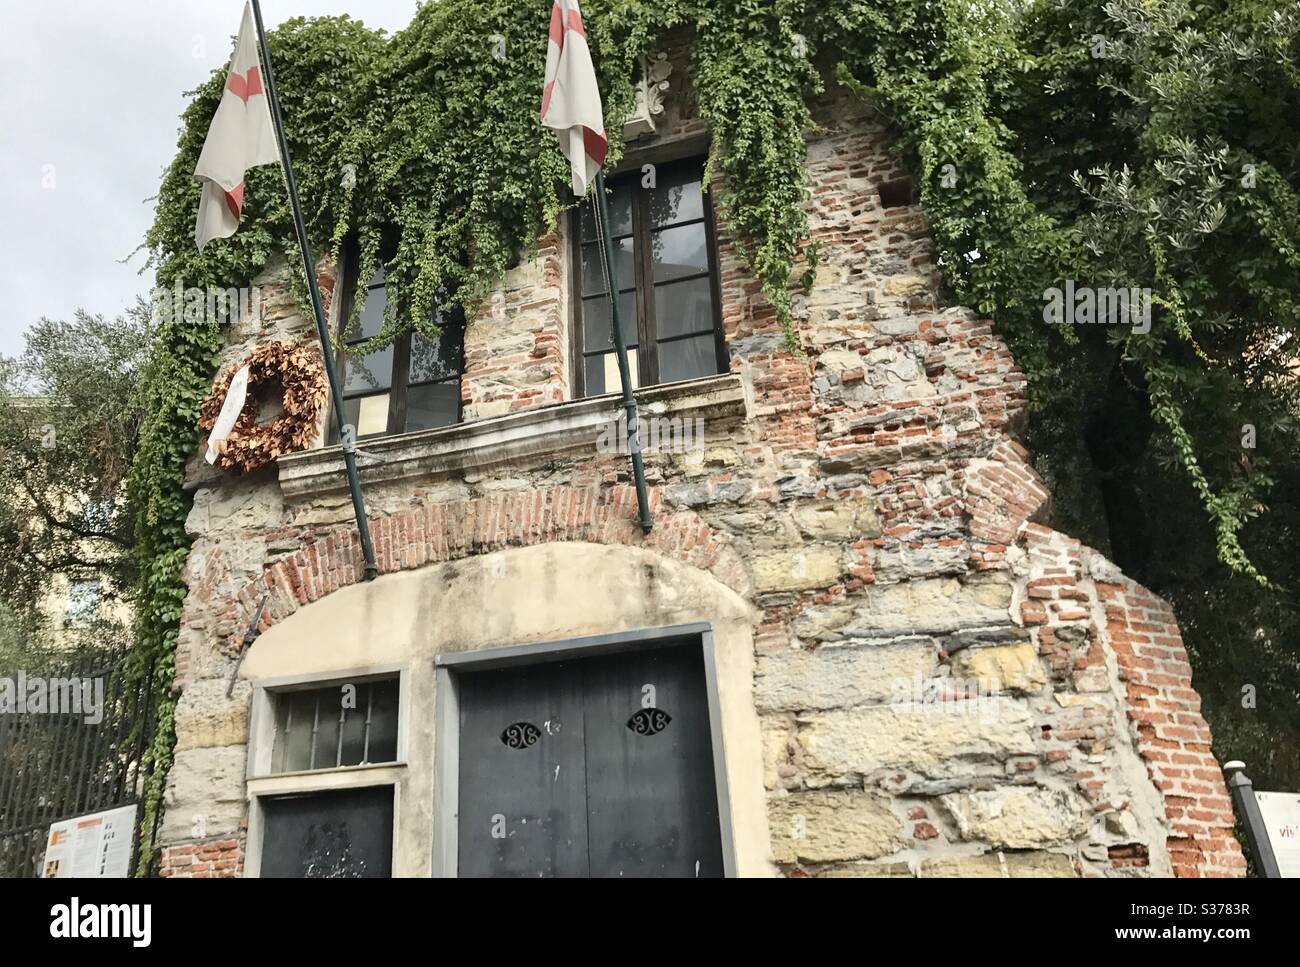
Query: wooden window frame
x,y
647,325
400,380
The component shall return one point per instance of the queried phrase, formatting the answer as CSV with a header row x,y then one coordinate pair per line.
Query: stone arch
x,y
432,532
521,595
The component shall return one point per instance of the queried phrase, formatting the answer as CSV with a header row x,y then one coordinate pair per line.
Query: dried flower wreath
x,y
300,373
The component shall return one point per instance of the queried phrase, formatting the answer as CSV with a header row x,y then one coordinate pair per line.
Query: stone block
x,y
815,567
1002,668
1018,817
205,718
830,825
904,563
905,285
930,605
1015,866
853,519
777,731
839,675
205,793
838,360
934,740
893,871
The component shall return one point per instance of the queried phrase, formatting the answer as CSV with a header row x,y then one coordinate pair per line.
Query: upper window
x,y
412,384
665,263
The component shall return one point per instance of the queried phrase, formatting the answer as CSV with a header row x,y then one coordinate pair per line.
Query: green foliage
x,y
326,70
927,67
68,428
1172,163
1197,210
452,165
755,75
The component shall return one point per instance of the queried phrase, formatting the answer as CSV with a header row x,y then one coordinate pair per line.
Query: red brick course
x,y
428,533
214,858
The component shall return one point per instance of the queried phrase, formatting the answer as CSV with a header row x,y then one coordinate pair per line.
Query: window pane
x,y
383,723
432,405
679,251
368,414
612,378
372,315
342,714
601,373
296,713
597,330
371,372
354,729
327,733
687,359
620,212
329,835
83,600
434,359
677,196
593,272
684,307
281,743
593,375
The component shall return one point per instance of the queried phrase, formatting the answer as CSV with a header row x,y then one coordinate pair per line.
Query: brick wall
x,y
1173,737
205,859
516,347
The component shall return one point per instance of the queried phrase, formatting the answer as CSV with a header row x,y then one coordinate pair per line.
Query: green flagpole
x,y
309,266
620,349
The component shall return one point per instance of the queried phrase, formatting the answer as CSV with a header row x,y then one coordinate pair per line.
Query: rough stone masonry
x,y
945,686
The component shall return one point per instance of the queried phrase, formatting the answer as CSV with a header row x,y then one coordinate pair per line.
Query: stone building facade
x,y
912,673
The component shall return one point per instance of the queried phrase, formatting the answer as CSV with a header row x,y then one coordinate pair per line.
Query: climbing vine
x,y
424,148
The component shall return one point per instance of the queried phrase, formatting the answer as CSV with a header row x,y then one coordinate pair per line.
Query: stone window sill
x,y
527,437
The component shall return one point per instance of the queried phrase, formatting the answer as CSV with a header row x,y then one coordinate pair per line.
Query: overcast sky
x,y
90,110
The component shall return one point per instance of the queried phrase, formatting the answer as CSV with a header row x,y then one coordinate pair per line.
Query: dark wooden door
x,y
597,766
522,781
652,806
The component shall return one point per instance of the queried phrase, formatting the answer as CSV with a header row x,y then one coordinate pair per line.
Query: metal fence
x,y
60,759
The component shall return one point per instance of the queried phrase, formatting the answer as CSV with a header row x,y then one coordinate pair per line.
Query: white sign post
x,y
95,846
1281,814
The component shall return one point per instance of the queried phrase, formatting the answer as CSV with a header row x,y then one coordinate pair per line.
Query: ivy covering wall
x,y
428,139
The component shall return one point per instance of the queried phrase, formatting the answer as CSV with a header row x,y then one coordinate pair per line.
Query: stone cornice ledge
x,y
528,437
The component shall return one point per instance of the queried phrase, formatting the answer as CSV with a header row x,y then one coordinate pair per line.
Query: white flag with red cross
x,y
571,98
240,137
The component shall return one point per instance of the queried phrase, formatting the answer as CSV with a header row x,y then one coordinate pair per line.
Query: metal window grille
x,y
321,728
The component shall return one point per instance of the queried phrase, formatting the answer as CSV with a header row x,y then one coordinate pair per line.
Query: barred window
x,y
346,724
